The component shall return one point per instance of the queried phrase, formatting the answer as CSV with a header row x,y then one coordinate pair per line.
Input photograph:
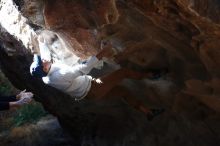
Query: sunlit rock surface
x,y
179,35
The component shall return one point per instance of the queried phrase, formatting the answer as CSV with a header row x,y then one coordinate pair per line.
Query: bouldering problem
x,y
179,38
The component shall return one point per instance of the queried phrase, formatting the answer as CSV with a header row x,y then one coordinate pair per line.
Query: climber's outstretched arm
x,y
113,79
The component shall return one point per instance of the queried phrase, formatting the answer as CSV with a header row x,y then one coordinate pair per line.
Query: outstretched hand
x,y
18,96
106,50
24,94
22,98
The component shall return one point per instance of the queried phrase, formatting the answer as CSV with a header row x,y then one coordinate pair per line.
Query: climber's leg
x,y
111,80
131,100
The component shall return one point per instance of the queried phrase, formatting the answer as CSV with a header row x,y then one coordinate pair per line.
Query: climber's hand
x,y
106,51
99,81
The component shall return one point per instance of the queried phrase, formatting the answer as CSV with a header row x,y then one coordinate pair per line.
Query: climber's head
x,y
37,67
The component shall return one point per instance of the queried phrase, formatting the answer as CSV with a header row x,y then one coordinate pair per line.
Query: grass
x,y
6,87
30,113
26,114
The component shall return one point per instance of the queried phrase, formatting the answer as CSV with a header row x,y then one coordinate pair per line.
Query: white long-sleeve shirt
x,y
45,51
71,80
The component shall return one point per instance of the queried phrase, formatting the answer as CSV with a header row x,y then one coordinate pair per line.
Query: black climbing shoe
x,y
158,73
154,112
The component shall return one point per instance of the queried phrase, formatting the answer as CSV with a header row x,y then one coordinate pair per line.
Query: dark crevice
x,y
19,3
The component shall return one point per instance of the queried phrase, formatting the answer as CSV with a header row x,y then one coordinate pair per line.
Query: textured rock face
x,y
181,35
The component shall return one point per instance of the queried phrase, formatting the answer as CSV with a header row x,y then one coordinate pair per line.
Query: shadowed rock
x,y
181,36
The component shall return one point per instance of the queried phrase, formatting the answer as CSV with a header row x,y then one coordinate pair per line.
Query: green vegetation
x,y
5,86
29,114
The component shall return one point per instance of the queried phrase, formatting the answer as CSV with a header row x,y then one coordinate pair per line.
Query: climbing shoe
x,y
154,112
158,73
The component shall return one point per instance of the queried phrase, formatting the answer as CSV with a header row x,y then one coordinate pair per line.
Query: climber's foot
x,y
158,73
154,112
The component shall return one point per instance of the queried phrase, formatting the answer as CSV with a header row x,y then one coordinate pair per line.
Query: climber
x,y
15,101
75,81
